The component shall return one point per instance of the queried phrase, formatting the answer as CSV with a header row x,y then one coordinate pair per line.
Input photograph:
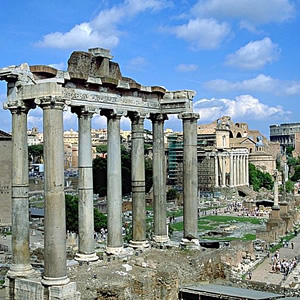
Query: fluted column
x,y
138,182
223,171
231,170
114,182
20,266
86,245
190,178
216,170
159,179
55,270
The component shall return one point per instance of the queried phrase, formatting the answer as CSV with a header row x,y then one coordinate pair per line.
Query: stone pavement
x,y
264,273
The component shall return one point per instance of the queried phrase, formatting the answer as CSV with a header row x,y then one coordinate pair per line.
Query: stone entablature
x,y
95,81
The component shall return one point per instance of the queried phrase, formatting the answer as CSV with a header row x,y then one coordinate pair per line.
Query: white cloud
x,y
255,55
244,106
186,68
58,66
260,83
251,11
103,30
202,33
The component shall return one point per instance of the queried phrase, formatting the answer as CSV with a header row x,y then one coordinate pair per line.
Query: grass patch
x,y
177,226
228,219
249,237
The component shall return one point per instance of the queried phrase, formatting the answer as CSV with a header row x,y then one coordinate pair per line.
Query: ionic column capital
x,y
51,102
189,116
84,110
137,118
158,118
19,106
112,113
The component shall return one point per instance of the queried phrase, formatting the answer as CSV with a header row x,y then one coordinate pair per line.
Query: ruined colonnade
x,y
53,91
236,164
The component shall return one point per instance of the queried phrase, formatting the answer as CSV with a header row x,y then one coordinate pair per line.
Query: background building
x,y
5,178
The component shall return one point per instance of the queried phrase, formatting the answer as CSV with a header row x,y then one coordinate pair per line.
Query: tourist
x,y
292,245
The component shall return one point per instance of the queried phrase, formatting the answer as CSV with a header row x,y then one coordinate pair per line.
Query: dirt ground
x,y
153,274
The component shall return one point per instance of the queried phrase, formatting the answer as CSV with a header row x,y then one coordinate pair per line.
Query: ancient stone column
x,y
234,170
244,169
223,171
20,266
247,170
231,170
159,179
238,165
216,170
86,249
190,179
276,202
55,270
114,182
138,182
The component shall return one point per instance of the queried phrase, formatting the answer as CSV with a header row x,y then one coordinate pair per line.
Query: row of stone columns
x,y
55,222
238,169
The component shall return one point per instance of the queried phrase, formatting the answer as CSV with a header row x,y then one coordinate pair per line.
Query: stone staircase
x,y
245,190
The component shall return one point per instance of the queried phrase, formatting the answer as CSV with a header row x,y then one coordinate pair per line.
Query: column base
x,y
114,250
161,239
86,257
22,271
139,244
190,244
51,281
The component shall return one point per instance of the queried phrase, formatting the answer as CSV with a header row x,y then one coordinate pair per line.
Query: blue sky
x,y
242,57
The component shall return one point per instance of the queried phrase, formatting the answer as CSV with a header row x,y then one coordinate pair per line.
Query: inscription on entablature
x,y
109,98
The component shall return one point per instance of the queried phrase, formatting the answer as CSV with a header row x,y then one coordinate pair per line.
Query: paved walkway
x,y
264,273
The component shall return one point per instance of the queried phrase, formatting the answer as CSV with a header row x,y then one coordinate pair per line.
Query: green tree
x,y
289,150
259,179
100,176
148,174
172,194
100,173
100,219
296,175
101,148
289,186
35,153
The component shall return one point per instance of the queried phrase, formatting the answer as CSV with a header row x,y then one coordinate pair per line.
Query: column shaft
x,y
231,170
247,171
159,180
234,170
20,211
223,171
114,183
55,271
237,170
216,170
86,251
138,182
190,176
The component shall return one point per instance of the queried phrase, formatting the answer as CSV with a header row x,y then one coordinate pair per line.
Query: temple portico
x,y
231,168
93,84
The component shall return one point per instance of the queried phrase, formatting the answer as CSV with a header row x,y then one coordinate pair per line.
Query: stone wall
x,y
5,181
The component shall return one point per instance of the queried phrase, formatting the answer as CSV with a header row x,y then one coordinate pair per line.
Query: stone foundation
x,y
32,289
